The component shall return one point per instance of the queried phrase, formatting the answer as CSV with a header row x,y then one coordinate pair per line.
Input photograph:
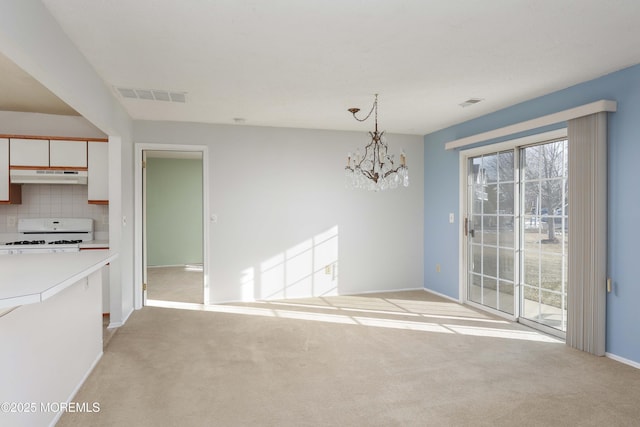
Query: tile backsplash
x,y
51,200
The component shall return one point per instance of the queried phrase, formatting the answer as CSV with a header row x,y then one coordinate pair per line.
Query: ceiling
x,y
21,92
303,63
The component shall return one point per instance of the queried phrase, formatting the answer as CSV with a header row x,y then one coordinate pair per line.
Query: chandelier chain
x,y
374,107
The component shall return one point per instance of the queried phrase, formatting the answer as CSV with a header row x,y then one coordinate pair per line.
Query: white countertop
x,y
32,278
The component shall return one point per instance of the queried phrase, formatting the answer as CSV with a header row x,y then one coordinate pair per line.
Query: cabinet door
x,y
29,152
4,170
98,172
68,153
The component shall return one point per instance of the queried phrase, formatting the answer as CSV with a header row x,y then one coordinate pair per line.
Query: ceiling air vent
x,y
470,101
152,94
178,96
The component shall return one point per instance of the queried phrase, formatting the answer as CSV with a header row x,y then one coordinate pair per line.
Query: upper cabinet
x,y
63,156
48,153
98,180
9,193
30,152
68,154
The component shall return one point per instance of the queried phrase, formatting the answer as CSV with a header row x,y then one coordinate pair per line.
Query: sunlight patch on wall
x,y
307,269
247,284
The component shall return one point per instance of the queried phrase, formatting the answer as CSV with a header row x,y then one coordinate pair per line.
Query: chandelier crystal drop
x,y
375,168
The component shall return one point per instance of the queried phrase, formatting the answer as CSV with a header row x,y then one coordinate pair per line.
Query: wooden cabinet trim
x,y
55,138
15,195
59,168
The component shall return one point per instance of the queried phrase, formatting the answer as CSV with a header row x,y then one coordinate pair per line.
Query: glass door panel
x,y
544,236
491,234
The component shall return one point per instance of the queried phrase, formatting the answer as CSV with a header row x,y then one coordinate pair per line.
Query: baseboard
x,y
118,324
151,267
77,388
431,291
383,291
312,296
623,360
127,316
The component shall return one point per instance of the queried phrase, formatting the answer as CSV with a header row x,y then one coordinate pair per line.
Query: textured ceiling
x,y
302,63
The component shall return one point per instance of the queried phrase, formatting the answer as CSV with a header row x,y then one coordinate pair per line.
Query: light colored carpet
x,y
181,283
392,359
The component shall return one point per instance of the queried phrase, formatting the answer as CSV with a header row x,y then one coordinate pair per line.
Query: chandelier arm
x,y
392,171
371,175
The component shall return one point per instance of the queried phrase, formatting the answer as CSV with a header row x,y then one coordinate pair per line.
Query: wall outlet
x,y
451,218
437,268
11,221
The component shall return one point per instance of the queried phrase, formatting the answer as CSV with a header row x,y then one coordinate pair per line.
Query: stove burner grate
x,y
26,242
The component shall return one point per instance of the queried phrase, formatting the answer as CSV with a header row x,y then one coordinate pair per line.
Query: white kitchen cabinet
x,y
44,153
63,153
9,193
4,169
29,152
98,172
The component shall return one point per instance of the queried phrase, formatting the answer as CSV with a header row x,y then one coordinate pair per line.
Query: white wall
x,y
33,40
284,214
287,186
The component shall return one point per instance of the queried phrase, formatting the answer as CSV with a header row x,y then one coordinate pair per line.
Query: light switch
x,y
451,218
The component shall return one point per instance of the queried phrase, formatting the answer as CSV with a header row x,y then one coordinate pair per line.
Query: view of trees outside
x,y
492,190
545,233
543,206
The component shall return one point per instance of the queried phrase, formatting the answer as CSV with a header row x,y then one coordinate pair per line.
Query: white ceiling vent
x,y
152,94
470,101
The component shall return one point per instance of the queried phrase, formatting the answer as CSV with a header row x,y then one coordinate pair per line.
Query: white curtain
x,y
587,219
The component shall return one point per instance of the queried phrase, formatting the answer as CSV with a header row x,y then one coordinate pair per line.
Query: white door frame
x,y
138,240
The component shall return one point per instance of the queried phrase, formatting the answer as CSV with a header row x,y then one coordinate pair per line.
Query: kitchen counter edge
x,y
80,265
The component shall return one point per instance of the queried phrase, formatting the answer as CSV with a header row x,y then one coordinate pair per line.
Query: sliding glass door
x,y
516,233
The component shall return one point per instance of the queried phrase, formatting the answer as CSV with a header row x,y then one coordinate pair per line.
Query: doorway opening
x,y
171,207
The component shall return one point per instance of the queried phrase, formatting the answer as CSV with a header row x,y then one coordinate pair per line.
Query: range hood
x,y
47,176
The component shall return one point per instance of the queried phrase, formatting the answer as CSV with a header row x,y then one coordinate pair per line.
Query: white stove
x,y
48,235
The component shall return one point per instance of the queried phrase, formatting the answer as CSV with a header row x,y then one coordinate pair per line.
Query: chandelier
x,y
375,169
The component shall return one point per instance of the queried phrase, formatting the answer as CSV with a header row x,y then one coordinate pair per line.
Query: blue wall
x,y
442,187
